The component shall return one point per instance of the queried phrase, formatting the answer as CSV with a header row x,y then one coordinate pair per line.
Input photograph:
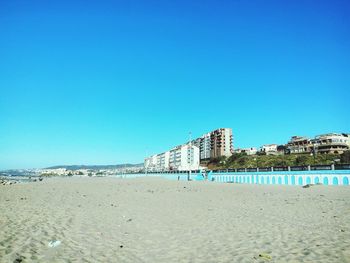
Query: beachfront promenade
x,y
326,177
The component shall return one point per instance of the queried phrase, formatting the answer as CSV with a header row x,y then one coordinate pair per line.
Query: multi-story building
x,y
221,143
205,146
269,149
196,142
215,144
163,161
332,143
184,157
299,144
325,143
248,151
150,163
210,145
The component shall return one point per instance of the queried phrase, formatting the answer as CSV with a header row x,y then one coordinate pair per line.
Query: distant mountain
x,y
96,167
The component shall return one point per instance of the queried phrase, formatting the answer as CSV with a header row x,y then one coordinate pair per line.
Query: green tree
x,y
301,160
345,157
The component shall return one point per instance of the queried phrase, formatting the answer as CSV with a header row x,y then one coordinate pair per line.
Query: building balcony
x,y
332,144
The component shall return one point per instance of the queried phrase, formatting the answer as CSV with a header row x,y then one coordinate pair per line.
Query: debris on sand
x,y
54,243
309,185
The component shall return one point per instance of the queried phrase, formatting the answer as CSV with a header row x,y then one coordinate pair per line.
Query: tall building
x,y
189,155
221,143
184,157
205,146
299,144
163,161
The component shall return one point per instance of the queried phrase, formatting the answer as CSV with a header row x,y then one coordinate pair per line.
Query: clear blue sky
x,y
104,82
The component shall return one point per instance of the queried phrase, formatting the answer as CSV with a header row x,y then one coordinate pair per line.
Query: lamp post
x,y
146,161
190,163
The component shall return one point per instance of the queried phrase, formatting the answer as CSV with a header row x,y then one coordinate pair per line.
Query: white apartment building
x,y
181,158
248,151
269,149
163,161
184,157
151,163
204,146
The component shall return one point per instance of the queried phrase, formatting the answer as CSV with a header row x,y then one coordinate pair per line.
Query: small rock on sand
x,y
265,256
19,259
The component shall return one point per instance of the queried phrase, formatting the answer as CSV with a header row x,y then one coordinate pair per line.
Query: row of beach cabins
x,y
294,175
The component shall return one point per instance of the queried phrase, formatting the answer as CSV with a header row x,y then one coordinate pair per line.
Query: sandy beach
x,y
159,220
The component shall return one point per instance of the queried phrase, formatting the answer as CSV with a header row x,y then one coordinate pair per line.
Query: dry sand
x,y
159,220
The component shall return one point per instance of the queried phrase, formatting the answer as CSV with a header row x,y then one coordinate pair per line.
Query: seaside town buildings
x,y
335,143
190,155
87,170
204,144
332,143
299,144
325,143
215,144
57,171
269,149
248,151
219,143
180,158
